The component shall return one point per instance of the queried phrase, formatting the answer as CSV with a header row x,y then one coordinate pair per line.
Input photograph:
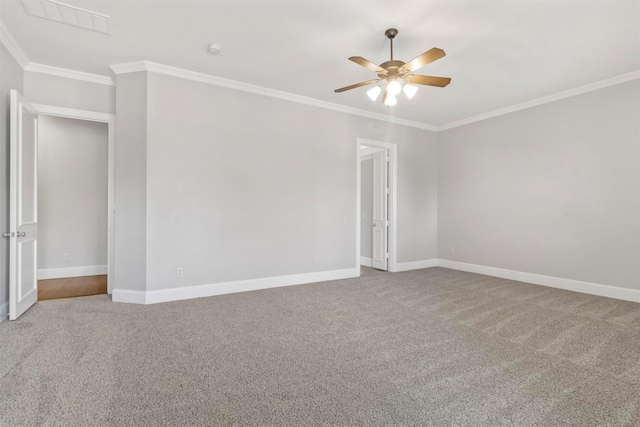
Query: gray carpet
x,y
426,347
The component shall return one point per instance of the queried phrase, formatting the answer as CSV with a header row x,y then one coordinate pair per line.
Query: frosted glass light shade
x,y
374,92
410,90
393,88
390,101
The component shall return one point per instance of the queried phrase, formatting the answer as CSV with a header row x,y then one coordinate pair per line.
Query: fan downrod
x,y
391,33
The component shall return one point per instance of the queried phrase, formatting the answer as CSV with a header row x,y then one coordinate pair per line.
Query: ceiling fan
x,y
398,75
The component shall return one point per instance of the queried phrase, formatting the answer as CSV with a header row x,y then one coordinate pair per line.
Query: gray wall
x,y
72,192
58,91
552,190
243,186
130,251
11,77
417,197
231,185
366,208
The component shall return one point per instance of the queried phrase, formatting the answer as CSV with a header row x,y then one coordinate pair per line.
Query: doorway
x,y
72,207
90,270
376,204
23,196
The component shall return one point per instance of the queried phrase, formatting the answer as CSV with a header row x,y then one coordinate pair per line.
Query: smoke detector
x,y
214,48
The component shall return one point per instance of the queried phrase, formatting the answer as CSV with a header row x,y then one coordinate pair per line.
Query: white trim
x,y
544,100
392,242
131,297
130,67
416,265
138,66
69,74
189,292
553,282
109,119
367,262
72,113
57,273
12,46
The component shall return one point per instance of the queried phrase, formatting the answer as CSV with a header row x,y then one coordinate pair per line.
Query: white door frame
x,y
109,119
392,242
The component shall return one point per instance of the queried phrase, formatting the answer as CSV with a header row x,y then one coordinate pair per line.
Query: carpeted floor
x,y
426,347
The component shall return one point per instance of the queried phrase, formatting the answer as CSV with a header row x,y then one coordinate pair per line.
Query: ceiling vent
x,y
66,14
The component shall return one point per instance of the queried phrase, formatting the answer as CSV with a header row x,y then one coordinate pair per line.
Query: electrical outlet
x,y
317,260
179,272
66,257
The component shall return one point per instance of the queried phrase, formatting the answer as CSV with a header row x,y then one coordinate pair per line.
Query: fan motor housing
x,y
391,67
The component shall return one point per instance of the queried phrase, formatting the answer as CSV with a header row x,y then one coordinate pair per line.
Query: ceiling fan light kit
x,y
374,92
396,76
409,90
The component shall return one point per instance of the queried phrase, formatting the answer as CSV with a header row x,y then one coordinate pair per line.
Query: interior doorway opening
x,y
376,190
108,120
72,197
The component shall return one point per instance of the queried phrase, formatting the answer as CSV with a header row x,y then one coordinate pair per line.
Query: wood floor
x,y
71,287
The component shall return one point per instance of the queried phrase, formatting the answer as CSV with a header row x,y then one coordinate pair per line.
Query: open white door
x,y
23,207
380,216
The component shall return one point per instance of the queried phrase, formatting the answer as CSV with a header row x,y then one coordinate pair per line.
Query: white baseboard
x,y
175,294
553,282
128,296
4,311
415,265
56,273
367,262
189,292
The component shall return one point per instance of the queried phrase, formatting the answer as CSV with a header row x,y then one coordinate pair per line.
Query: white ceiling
x,y
499,53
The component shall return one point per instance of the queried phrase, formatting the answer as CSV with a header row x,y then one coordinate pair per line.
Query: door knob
x,y
7,234
21,234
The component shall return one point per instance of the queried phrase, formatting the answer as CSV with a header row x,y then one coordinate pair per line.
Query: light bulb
x,y
393,88
374,92
390,101
410,90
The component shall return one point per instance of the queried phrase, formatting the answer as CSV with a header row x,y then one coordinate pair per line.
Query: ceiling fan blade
x,y
428,80
385,94
367,64
368,82
420,61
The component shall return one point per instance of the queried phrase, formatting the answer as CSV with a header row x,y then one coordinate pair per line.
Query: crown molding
x,y
130,67
69,74
12,46
545,100
138,66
